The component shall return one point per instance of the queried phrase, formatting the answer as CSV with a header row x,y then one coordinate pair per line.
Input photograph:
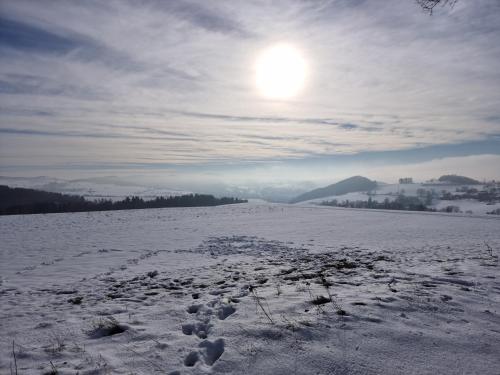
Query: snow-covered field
x,y
92,189
250,289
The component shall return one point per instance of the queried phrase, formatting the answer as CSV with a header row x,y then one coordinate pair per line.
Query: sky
x,y
165,91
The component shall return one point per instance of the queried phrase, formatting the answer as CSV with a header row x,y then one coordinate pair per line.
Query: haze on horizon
x,y
168,92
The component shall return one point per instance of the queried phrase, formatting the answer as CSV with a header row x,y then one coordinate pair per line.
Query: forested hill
x,y
349,185
458,180
15,201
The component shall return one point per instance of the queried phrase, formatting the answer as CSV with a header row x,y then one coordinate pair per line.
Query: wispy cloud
x,y
18,35
206,17
172,82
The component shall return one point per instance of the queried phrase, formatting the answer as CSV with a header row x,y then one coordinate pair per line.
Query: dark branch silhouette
x,y
429,5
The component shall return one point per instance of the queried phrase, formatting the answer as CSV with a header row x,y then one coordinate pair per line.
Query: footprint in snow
x,y
224,311
212,351
193,309
191,359
200,329
209,351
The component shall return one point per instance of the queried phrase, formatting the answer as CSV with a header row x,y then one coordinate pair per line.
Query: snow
x,y
353,197
97,188
391,192
384,191
229,290
467,205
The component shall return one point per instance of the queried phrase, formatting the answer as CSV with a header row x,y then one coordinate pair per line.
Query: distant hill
x,y
458,180
349,185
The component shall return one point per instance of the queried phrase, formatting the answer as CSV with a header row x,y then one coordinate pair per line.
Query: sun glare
x,y
280,72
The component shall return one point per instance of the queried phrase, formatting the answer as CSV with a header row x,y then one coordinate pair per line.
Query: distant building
x,y
406,180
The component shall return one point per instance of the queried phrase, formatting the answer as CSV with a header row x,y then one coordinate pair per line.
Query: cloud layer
x,y
172,83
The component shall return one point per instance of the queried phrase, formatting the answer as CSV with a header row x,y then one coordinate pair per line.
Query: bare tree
x,y
428,5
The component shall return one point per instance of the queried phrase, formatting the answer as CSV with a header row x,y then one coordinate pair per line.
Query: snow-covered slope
x,y
391,192
468,206
249,289
110,188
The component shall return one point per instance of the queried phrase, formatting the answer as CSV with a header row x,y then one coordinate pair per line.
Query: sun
x,y
280,72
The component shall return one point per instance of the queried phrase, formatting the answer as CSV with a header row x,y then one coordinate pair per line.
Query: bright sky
x,y
171,89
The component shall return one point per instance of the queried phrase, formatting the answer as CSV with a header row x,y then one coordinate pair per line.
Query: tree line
x,y
400,203
16,201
